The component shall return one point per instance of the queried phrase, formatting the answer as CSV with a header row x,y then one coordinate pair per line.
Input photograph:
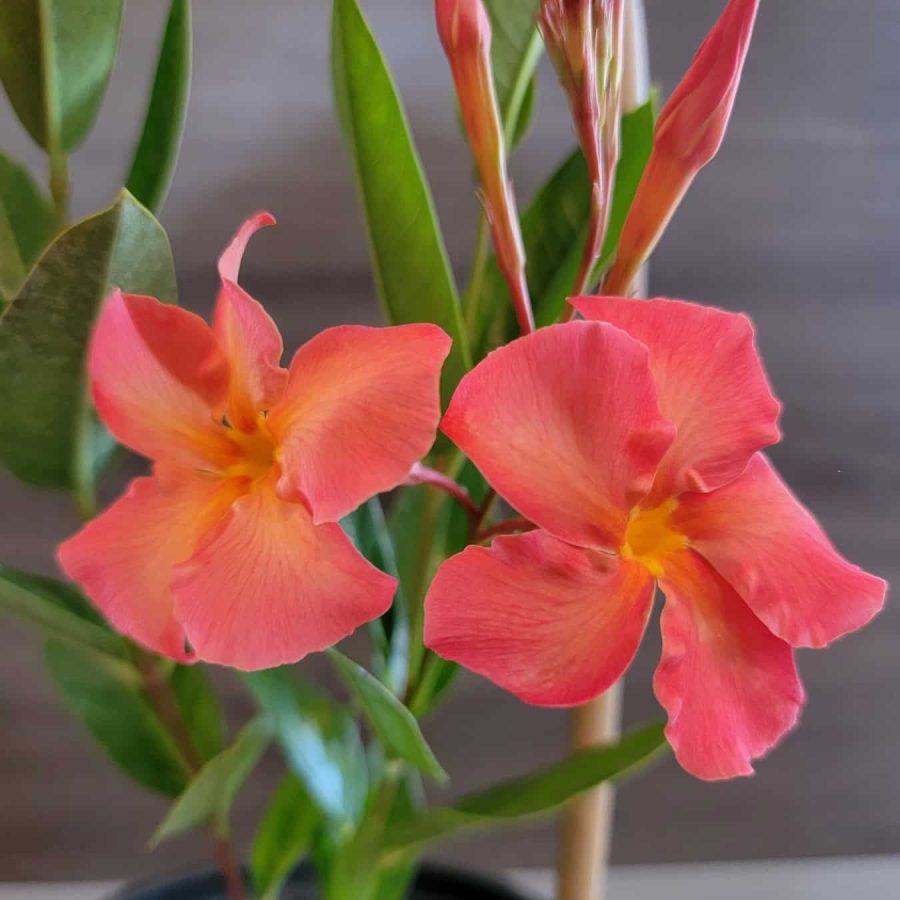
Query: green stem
x,y
59,186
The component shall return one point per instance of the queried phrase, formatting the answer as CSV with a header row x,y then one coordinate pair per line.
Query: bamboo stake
x,y
587,823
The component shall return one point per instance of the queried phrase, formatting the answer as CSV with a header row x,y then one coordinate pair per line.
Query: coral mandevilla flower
x,y
231,552
633,443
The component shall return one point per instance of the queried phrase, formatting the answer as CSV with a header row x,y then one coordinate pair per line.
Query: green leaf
x,y
212,791
390,719
412,271
283,837
26,224
368,529
105,694
55,60
538,793
515,51
58,608
554,228
47,435
154,158
320,742
200,708
526,113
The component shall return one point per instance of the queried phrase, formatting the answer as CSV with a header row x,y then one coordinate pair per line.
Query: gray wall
x,y
796,222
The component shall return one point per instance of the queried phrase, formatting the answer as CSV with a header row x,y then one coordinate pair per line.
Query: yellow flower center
x,y
256,451
650,538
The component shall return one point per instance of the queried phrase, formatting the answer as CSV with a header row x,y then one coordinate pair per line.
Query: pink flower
x,y
633,443
688,134
232,545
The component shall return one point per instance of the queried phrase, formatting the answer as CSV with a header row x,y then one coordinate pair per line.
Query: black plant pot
x,y
432,883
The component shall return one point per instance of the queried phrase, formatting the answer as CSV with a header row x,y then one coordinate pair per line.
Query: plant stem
x,y
587,822
424,475
59,187
507,526
159,692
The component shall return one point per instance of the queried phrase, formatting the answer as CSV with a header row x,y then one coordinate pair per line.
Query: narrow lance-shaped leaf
x,y
283,837
58,609
554,228
106,695
319,741
157,150
390,719
412,271
26,224
541,792
47,434
515,51
211,793
55,60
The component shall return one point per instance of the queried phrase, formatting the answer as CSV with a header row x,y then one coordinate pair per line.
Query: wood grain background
x,y
797,223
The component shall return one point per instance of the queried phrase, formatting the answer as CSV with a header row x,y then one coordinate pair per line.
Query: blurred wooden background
x,y
797,222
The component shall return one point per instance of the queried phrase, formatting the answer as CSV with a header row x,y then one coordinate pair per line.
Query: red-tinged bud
x,y
584,42
688,135
465,32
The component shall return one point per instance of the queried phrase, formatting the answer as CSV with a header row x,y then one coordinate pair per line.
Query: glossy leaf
x,y
106,695
154,159
554,227
412,271
209,796
26,224
538,793
515,51
320,743
199,707
390,719
47,435
58,608
283,837
55,61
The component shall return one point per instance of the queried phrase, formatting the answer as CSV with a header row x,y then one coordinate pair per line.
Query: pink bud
x,y
465,32
693,122
584,41
688,135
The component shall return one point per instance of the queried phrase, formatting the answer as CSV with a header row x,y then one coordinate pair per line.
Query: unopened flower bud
x,y
465,32
688,135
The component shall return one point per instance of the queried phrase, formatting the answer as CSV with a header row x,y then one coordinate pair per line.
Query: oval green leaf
x,y
55,61
47,435
57,608
209,796
157,150
105,694
409,260
26,224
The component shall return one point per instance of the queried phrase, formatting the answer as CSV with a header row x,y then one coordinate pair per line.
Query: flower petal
x,y
710,382
554,624
565,425
777,557
124,558
266,586
360,408
248,336
729,685
157,374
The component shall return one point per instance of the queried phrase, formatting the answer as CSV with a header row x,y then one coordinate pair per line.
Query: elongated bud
x,y
465,32
688,135
584,42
